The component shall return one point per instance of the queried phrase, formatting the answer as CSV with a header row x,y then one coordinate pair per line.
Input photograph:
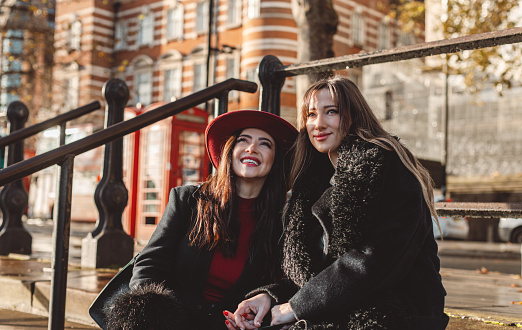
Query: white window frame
x,y
74,35
146,28
144,88
202,16
120,35
253,9
142,67
175,22
71,87
358,28
383,41
172,80
234,11
203,76
232,71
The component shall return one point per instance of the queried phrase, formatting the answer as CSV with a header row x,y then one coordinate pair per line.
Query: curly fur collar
x,y
337,214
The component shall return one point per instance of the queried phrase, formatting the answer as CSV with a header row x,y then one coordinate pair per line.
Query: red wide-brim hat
x,y
223,126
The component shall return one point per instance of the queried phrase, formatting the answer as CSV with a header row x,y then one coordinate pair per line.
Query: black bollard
x,y
108,245
14,238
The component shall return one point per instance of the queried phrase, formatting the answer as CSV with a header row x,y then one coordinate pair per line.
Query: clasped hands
x,y
250,314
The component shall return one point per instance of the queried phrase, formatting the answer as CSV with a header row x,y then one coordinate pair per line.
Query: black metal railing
x,y
59,120
64,157
14,238
272,75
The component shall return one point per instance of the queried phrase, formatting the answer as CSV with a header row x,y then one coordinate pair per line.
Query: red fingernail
x,y
225,313
227,322
245,314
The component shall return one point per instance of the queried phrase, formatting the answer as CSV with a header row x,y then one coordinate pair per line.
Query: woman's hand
x,y
282,314
231,324
257,306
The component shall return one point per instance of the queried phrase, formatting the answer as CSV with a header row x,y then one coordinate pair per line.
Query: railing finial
x,y
108,244
14,238
271,85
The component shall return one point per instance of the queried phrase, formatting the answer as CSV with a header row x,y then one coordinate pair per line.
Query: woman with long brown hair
x,y
359,250
216,241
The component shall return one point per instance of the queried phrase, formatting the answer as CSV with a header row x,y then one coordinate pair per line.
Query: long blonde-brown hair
x,y
356,118
216,224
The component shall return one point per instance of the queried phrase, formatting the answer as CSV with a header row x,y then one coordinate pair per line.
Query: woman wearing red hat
x,y
217,241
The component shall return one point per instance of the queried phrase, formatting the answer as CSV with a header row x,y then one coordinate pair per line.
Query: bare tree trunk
x,y
317,22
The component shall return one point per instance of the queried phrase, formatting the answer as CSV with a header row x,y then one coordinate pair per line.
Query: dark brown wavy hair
x,y
357,118
217,225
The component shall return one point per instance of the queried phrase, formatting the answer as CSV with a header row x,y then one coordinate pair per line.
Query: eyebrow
x,y
261,138
326,106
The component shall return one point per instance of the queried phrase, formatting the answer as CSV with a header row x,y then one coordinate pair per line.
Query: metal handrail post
x,y
108,244
222,104
271,84
14,238
61,234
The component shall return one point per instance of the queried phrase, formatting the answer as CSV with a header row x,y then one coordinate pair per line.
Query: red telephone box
x,y
171,153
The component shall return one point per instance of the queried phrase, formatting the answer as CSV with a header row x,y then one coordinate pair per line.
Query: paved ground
x,y
10,320
476,299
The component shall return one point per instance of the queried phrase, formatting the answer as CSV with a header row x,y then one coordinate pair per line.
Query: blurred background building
x,y
165,50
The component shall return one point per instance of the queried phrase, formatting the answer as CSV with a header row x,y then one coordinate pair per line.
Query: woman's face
x,y
253,155
323,123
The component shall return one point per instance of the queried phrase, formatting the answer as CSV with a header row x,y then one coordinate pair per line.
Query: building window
x,y
357,29
144,88
253,9
202,17
71,90
200,76
406,39
13,42
120,35
175,23
384,36
145,35
251,75
234,12
74,35
231,67
7,98
11,80
171,84
232,71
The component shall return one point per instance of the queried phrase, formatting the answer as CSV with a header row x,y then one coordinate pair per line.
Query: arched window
x,y
142,87
171,68
74,35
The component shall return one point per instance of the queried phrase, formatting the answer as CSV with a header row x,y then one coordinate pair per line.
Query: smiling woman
x,y
252,159
218,240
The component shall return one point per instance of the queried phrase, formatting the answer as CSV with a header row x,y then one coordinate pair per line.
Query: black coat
x,y
359,251
169,259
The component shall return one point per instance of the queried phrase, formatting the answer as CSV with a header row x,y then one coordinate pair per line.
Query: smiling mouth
x,y
321,137
250,161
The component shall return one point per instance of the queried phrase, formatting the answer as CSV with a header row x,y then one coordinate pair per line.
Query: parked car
x,y
452,227
510,230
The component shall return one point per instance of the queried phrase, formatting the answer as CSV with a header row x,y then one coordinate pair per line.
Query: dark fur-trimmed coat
x,y
170,260
359,251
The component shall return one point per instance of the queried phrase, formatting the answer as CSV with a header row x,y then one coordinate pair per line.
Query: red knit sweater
x,y
224,272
